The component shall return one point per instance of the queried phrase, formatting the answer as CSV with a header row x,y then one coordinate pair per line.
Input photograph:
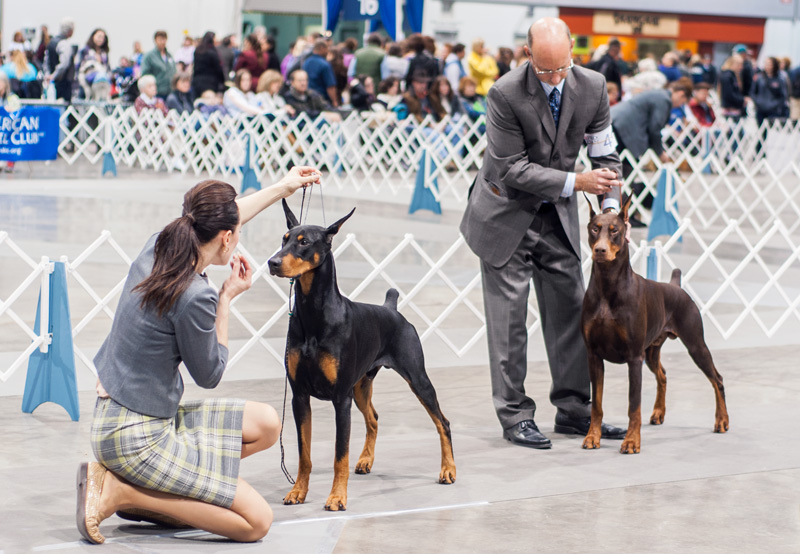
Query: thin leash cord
x,y
286,352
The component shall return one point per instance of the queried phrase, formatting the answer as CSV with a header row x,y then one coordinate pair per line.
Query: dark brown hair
x,y
208,208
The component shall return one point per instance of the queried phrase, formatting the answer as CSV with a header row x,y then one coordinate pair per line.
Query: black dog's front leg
x,y
341,465
301,407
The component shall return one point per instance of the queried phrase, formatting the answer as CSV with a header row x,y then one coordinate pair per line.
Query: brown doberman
x,y
335,348
626,318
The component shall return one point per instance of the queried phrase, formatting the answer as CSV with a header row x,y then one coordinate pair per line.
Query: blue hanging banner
x,y
29,134
358,10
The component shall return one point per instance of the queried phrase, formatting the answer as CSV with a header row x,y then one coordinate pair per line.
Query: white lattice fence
x,y
372,150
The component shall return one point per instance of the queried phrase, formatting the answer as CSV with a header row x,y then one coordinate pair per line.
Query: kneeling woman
x,y
159,457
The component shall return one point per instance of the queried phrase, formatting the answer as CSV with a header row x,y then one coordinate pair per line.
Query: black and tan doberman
x,y
335,348
627,318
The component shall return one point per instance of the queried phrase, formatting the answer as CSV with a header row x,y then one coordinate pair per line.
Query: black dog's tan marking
x,y
335,348
626,319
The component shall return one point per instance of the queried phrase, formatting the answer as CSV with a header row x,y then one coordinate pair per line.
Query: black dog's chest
x,y
314,373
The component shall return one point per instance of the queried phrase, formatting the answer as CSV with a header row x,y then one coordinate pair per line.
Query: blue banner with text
x,y
28,134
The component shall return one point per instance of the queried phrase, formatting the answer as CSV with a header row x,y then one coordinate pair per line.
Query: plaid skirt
x,y
194,454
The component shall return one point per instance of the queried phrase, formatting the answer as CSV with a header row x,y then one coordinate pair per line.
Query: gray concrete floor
x,y
689,490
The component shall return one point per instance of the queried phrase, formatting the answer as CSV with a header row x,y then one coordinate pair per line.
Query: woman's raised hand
x,y
300,176
240,279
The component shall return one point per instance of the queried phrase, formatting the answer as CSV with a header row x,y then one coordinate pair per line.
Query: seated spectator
x,y
444,101
613,93
147,99
23,75
394,64
416,101
362,92
701,110
268,97
122,78
474,104
208,103
669,67
304,100
180,99
239,99
388,94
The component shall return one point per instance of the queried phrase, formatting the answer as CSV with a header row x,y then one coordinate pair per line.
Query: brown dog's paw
x,y
336,503
364,465
721,425
591,441
657,418
448,475
295,496
630,446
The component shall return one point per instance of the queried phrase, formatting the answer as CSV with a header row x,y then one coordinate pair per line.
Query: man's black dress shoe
x,y
525,433
580,426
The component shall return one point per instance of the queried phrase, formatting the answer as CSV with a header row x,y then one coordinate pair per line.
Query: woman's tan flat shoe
x,y
90,486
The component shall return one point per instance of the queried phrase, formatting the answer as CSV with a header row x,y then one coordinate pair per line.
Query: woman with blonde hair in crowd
x,y
482,67
731,96
22,70
268,97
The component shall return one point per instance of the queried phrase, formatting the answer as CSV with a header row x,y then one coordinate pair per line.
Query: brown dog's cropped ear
x,y
591,208
291,220
334,227
626,204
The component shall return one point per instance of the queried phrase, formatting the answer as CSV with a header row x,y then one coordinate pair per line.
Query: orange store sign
x,y
635,23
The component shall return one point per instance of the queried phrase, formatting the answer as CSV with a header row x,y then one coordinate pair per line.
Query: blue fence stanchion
x,y
663,222
423,198
707,151
249,178
109,163
652,265
51,375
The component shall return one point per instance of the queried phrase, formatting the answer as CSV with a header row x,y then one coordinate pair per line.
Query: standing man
x,y
320,73
60,60
453,66
160,64
608,64
522,222
367,60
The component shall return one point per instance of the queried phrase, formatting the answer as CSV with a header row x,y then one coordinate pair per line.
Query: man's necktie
x,y
555,104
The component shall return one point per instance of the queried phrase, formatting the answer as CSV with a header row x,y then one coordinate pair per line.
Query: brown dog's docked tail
x,y
676,277
391,299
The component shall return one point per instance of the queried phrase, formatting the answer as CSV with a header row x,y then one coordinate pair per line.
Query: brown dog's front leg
x,y
596,374
633,440
301,407
341,466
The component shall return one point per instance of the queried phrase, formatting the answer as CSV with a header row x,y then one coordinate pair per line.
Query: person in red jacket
x,y
701,109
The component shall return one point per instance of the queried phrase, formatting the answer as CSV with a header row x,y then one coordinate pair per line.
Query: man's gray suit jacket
x,y
527,159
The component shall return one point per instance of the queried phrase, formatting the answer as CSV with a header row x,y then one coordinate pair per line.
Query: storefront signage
x,y
635,23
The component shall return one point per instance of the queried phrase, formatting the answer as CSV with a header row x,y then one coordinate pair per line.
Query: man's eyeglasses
x,y
553,71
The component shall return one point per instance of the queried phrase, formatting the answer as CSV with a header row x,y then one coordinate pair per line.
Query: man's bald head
x,y
549,29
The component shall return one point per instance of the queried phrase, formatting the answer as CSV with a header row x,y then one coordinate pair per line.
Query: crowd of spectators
x,y
416,77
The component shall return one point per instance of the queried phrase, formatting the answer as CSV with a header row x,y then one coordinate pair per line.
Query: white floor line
x,y
198,533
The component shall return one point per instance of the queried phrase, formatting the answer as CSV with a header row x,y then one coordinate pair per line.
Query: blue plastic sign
x,y
28,134
355,10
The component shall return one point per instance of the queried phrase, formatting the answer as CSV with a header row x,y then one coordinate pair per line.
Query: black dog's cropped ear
x,y
291,220
591,208
334,227
626,204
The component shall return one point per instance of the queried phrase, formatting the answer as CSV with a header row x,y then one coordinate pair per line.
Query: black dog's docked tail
x,y
676,277
391,299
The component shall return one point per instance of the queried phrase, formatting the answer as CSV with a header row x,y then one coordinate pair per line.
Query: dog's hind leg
x,y
301,407
337,500
691,334
414,374
652,357
362,393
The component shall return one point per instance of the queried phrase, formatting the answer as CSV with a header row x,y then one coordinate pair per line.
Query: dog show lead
x,y
160,460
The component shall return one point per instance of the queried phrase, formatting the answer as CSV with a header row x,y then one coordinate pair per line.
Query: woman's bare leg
x,y
261,427
248,519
